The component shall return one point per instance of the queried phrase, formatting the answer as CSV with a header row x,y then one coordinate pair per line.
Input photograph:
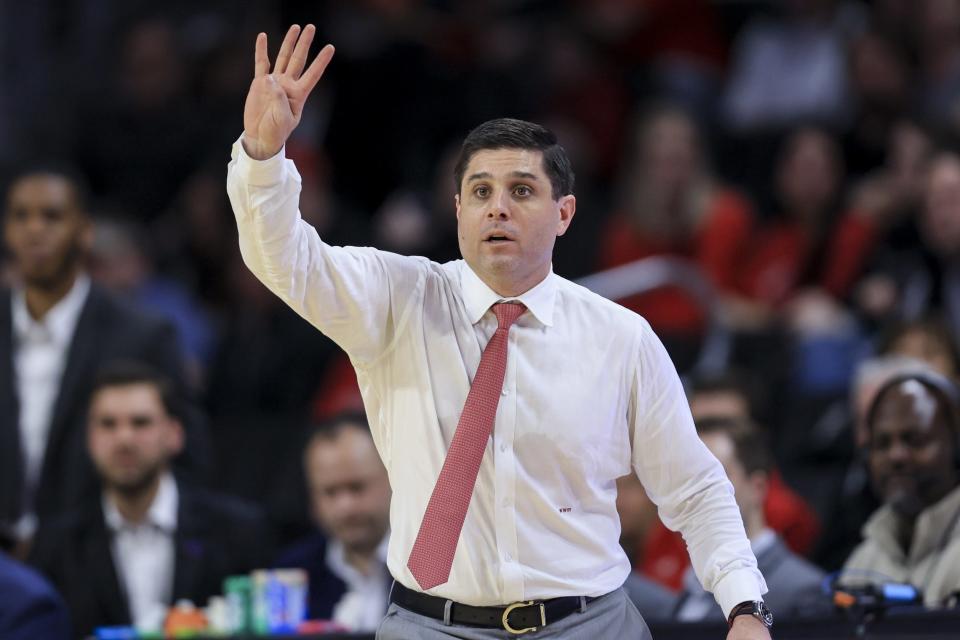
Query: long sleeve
x,y
359,297
687,483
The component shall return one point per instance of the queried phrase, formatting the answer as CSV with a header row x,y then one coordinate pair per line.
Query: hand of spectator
x,y
275,100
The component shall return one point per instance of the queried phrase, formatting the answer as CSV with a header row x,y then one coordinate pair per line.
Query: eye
x,y
522,191
481,191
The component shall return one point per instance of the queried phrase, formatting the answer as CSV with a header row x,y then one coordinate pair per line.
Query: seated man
x,y
654,602
148,539
794,584
913,457
29,607
350,501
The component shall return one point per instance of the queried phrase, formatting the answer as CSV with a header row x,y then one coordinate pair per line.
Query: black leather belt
x,y
517,618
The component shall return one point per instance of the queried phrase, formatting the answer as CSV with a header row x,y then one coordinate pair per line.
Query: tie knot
x,y
507,313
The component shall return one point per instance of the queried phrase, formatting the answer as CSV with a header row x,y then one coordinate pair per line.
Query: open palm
x,y
275,100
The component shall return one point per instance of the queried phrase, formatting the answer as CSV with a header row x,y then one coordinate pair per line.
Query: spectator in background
x,y
653,601
793,583
122,262
56,329
792,68
31,608
809,244
910,282
350,503
848,500
671,205
123,557
914,461
730,396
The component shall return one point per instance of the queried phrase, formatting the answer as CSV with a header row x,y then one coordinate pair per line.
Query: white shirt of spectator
x,y
589,393
363,605
144,555
40,349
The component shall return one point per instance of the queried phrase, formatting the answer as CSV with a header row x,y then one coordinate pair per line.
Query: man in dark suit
x,y
148,539
794,584
350,502
56,329
29,606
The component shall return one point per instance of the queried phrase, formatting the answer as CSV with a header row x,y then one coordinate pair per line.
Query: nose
x,y
899,453
499,208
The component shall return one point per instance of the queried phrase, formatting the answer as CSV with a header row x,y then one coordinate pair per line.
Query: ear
x,y
456,202
759,482
176,437
568,207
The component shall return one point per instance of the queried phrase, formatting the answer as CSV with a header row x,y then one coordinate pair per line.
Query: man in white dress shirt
x,y
149,539
495,379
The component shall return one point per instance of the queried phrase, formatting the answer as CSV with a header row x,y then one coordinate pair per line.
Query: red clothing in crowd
x,y
779,259
716,247
664,557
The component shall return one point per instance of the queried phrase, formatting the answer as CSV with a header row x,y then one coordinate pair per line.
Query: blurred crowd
x,y
803,156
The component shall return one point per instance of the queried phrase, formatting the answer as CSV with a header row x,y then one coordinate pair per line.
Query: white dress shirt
x,y
364,604
144,555
589,392
40,350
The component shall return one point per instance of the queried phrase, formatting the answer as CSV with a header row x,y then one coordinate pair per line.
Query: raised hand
x,y
275,100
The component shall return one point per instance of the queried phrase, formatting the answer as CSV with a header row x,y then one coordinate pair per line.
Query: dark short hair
x,y
509,133
331,428
59,169
124,373
749,442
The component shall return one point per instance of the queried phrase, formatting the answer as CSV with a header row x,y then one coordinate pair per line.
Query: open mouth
x,y
498,238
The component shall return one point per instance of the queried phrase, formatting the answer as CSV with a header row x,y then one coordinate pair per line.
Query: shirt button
x,y
508,557
503,447
504,392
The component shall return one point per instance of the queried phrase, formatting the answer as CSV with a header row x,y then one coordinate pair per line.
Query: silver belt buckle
x,y
506,614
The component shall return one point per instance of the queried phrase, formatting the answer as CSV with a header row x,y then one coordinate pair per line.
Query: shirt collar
x,y
761,542
162,513
60,320
478,297
336,557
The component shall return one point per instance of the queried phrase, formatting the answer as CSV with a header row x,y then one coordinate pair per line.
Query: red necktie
x,y
432,554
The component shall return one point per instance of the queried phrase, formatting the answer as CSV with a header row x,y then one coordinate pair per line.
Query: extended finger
x,y
288,41
299,58
313,73
261,63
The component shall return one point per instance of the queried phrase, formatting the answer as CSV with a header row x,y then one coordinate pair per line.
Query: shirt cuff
x,y
260,173
738,586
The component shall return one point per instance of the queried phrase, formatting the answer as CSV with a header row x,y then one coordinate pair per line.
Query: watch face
x,y
761,611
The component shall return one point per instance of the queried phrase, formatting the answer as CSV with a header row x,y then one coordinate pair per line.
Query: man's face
x,y
911,449
349,489
508,220
130,435
45,230
940,219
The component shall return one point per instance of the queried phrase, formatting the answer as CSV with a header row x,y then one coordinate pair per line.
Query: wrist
x,y
253,148
755,611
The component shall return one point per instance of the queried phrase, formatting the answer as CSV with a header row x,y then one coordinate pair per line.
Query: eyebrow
x,y
486,175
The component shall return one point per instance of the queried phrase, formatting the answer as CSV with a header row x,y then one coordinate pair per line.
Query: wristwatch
x,y
755,608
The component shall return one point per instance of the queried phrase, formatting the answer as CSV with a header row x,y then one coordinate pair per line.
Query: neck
x,y
133,506
40,299
754,524
511,287
363,561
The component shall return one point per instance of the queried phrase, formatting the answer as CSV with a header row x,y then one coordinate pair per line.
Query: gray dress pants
x,y
610,617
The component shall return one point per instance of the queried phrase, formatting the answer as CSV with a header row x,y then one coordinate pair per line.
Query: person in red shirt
x,y
670,204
